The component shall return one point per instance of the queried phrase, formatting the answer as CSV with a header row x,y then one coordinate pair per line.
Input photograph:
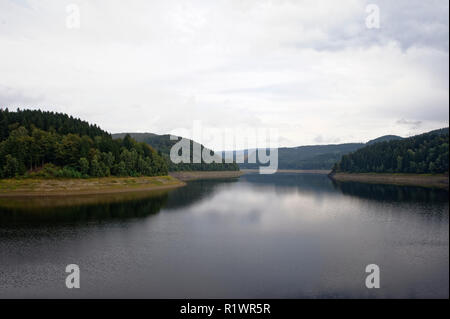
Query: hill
x,y
59,123
46,144
384,138
163,144
300,157
312,157
424,153
306,157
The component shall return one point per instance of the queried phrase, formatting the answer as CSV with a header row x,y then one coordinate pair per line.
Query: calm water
x,y
260,236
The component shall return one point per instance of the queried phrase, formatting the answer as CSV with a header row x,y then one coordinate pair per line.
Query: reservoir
x,y
258,236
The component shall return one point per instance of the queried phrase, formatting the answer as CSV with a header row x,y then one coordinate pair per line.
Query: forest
x,y
315,156
163,144
306,157
427,153
35,143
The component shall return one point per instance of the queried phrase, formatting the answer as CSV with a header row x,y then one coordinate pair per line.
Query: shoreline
x,y
297,171
61,187
91,186
51,193
423,180
195,175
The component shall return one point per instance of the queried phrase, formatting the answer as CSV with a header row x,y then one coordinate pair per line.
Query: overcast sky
x,y
312,69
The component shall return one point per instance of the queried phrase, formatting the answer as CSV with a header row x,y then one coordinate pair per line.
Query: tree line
x,y
423,154
163,144
48,144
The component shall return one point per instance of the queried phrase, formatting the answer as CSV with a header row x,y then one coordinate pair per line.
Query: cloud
x,y
411,124
309,68
11,98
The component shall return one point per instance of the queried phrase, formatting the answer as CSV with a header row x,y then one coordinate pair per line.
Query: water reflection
x,y
392,193
197,191
288,182
261,236
79,209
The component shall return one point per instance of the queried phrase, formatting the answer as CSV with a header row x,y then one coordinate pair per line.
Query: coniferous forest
x,y
163,144
36,143
422,154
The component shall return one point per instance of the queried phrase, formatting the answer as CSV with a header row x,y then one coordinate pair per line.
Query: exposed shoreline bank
x,y
90,186
297,171
35,187
195,175
423,180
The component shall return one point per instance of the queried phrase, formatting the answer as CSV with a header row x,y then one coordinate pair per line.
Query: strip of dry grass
x,y
293,171
424,180
65,187
193,175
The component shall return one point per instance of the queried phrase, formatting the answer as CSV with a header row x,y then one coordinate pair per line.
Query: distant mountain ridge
x,y
384,138
316,156
299,157
306,157
163,144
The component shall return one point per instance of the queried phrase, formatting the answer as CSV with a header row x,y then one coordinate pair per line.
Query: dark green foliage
x,y
84,165
163,144
423,154
315,156
308,157
11,167
384,138
47,121
52,171
31,139
302,157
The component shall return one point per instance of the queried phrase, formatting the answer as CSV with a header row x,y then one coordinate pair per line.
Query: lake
x,y
259,236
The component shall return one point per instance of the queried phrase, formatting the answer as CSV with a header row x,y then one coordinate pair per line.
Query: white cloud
x,y
310,68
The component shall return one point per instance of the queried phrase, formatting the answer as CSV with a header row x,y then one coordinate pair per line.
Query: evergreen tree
x,y
425,153
61,146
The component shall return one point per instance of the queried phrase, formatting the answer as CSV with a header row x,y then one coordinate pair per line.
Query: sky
x,y
312,69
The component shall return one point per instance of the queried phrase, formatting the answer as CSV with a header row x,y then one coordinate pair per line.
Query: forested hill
x,y
425,153
301,157
35,143
313,156
384,138
48,121
307,157
163,144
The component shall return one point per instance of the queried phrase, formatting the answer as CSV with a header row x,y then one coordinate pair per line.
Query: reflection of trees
x,y
118,206
102,210
288,182
316,183
123,206
392,192
194,192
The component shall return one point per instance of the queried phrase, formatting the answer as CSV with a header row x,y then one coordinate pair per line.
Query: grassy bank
x,y
424,180
41,187
193,175
104,185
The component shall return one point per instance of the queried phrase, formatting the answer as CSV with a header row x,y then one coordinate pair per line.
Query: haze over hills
x,y
163,144
300,157
314,156
32,138
306,157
